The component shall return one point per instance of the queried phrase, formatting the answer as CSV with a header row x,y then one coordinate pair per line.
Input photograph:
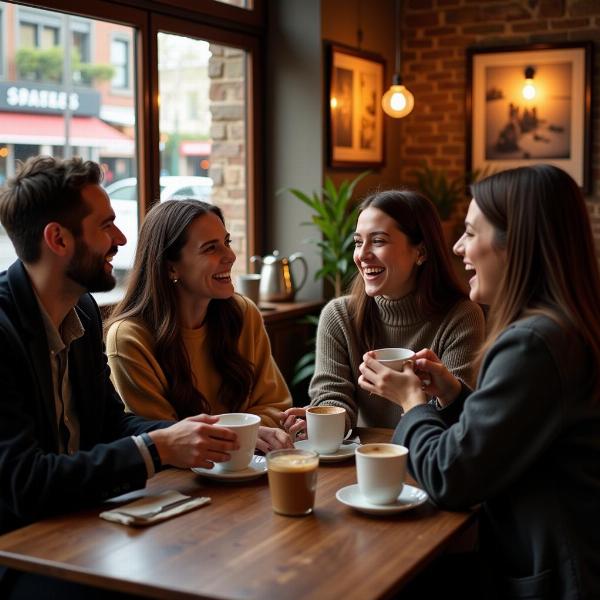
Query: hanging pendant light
x,y
529,90
397,102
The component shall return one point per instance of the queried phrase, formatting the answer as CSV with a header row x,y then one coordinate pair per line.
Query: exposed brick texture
x,y
434,43
229,147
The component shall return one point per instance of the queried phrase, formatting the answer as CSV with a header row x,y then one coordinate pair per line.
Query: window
x,y
80,39
240,3
199,139
119,58
212,77
32,117
39,28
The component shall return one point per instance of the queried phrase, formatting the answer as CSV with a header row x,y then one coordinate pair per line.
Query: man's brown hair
x,y
45,189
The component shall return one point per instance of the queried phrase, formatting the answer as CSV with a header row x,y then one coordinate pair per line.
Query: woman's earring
x,y
420,261
175,280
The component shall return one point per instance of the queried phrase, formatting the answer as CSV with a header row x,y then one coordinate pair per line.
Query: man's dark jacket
x,y
35,480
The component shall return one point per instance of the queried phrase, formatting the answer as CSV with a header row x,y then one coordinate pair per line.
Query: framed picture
x,y
355,116
530,104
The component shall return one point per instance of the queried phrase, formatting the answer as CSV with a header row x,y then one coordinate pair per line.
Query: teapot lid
x,y
271,258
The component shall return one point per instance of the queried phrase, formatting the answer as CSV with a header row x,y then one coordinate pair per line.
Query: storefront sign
x,y
25,97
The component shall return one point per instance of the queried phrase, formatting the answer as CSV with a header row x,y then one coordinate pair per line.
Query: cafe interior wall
x,y
293,132
296,146
368,26
437,34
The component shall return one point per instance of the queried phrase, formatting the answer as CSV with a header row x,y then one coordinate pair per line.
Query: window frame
x,y
205,19
251,46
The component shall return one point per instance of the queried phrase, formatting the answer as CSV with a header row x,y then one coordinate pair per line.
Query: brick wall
x,y
435,36
226,70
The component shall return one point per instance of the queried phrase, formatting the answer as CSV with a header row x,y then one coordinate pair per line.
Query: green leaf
x,y
334,219
303,374
307,359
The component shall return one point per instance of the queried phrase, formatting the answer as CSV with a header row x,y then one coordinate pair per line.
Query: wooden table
x,y
237,548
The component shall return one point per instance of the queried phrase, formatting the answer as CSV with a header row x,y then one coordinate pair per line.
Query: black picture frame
x,y
354,88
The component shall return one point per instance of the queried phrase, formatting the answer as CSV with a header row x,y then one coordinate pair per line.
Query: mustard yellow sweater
x,y
142,384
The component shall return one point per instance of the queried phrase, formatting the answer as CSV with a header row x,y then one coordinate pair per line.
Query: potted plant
x,y
334,216
443,191
335,219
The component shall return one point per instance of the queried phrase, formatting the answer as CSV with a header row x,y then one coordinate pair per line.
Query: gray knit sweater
x,y
454,337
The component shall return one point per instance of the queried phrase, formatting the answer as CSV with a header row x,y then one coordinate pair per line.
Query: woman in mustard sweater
x,y
181,342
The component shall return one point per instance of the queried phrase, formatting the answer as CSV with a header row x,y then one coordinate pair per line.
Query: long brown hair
x,y
541,221
151,297
437,288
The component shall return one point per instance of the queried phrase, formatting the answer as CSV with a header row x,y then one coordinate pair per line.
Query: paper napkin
x,y
153,509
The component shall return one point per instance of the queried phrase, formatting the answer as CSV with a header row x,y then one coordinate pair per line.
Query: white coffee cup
x,y
325,427
245,426
249,285
394,358
381,470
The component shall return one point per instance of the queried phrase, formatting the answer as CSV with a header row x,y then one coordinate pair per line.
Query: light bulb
x,y
397,102
528,90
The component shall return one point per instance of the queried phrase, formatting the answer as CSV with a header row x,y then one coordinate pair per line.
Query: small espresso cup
x,y
245,426
325,428
381,470
249,285
394,358
292,480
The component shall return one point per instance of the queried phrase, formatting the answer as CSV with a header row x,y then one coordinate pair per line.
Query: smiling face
x,y
203,269
90,265
385,258
481,255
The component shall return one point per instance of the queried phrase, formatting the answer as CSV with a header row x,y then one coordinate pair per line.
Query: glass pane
x,y
119,56
49,37
241,3
102,125
27,33
203,129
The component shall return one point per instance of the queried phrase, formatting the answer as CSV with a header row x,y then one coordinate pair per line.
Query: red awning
x,y
27,128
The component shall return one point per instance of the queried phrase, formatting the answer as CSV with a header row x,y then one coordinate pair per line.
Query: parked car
x,y
124,199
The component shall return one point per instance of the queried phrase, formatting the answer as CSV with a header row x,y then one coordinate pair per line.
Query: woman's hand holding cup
x,y
293,420
435,377
402,387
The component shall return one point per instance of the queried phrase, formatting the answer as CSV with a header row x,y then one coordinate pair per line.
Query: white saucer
x,y
345,451
256,468
410,497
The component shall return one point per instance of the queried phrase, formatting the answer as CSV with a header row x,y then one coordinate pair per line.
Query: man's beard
x,y
87,269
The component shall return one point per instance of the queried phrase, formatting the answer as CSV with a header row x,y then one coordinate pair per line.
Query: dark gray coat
x,y
525,444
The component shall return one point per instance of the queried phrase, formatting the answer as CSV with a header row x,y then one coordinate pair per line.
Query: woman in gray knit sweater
x,y
405,294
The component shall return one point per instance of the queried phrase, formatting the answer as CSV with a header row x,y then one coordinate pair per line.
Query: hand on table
x,y
194,442
272,438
